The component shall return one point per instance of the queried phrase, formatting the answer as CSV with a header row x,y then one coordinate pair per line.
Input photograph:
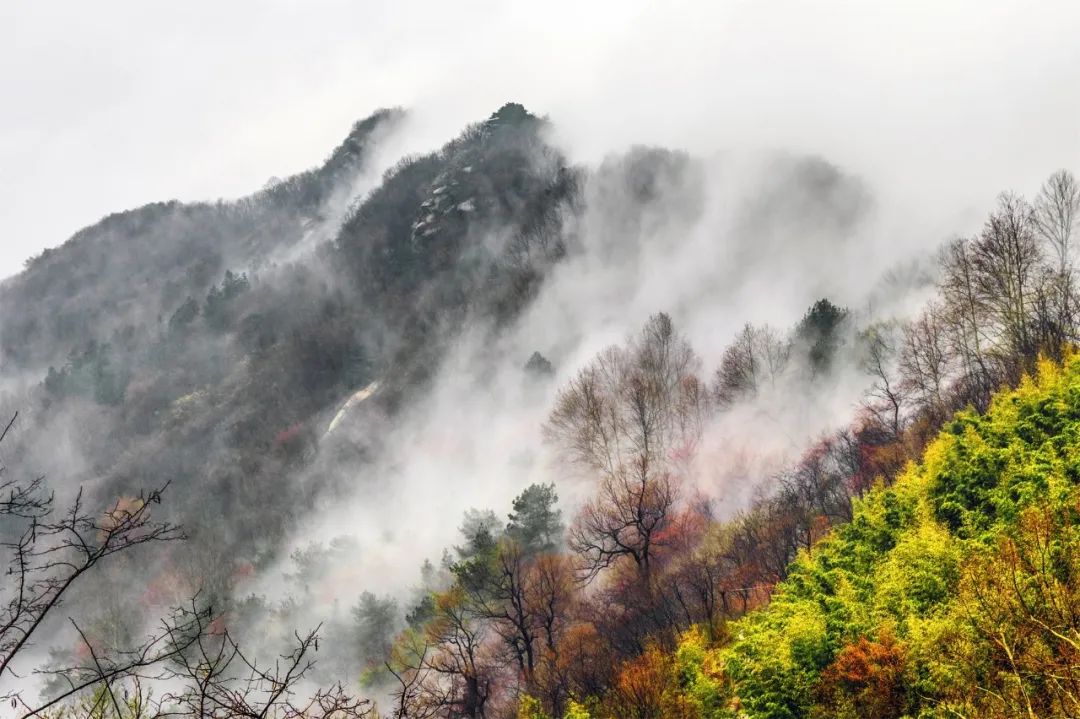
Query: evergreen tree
x,y
536,523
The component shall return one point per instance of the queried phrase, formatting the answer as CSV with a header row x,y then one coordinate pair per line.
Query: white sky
x,y
108,105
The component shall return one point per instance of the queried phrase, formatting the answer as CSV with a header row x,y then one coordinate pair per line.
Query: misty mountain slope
x,y
227,396
432,291
468,231
133,269
696,360
227,386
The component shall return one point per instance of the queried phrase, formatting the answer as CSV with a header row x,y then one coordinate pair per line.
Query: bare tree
x,y
925,360
626,519
964,308
756,358
220,680
205,675
633,406
1007,259
201,667
1057,209
886,398
632,417
50,553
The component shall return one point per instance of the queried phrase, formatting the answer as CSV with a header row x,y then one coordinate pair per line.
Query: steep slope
x,y
467,231
213,347
132,269
163,371
953,592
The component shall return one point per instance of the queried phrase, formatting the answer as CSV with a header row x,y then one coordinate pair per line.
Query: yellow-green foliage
x,y
698,675
953,592
910,566
530,708
576,711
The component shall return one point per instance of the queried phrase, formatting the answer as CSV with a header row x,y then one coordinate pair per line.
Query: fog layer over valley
x,y
335,381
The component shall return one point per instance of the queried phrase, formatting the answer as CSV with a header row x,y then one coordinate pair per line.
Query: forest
x,y
219,367
921,562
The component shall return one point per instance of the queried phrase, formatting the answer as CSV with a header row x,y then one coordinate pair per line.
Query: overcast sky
x,y
108,105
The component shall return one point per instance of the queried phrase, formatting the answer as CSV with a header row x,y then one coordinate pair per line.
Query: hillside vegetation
x,y
225,379
953,592
921,562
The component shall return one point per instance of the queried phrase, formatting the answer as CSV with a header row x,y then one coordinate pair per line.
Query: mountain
x,y
198,344
133,269
266,361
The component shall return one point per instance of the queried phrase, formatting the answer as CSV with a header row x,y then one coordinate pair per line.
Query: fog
x,y
825,147
117,104
730,239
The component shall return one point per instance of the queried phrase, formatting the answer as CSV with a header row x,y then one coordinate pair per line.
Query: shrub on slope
x,y
954,592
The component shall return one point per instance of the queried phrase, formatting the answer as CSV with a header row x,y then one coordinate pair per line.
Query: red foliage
x,y
288,434
167,588
685,530
242,572
217,626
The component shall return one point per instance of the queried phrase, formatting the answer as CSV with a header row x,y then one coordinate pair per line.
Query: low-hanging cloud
x,y
815,149
715,242
118,104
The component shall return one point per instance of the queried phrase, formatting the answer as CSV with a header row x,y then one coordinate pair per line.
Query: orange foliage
x,y
639,689
585,661
867,675
647,688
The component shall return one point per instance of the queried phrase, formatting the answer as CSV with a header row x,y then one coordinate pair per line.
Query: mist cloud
x,y
117,104
814,151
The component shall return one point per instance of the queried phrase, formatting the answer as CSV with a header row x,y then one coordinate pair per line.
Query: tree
x,y
886,397
640,688
550,593
192,657
516,585
214,677
460,675
481,531
866,679
505,609
184,315
1020,600
633,417
536,523
964,307
624,519
925,362
819,335
216,308
49,553
539,366
1056,212
699,576
376,622
1006,259
755,359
